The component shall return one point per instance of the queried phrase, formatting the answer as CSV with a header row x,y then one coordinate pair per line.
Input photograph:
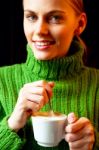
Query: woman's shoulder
x,y
92,70
11,69
92,73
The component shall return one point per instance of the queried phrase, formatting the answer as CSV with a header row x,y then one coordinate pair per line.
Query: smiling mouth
x,y
43,44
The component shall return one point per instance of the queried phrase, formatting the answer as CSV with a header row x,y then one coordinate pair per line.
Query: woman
x,y
54,66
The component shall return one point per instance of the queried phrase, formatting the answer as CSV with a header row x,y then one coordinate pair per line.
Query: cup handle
x,y
63,137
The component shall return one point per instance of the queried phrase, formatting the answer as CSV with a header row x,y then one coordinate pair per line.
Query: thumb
x,y
51,83
72,118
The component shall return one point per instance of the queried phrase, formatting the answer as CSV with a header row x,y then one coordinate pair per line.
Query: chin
x,y
41,57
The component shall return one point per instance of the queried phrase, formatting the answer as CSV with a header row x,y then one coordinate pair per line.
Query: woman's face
x,y
49,26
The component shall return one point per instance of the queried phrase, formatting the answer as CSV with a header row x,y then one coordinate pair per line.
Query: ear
x,y
82,21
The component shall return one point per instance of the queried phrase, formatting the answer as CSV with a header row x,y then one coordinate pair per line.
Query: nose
x,y
41,27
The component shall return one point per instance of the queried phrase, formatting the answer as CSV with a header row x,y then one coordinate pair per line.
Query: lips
x,y
45,44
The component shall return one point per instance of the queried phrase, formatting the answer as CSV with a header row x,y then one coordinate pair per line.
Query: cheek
x,y
28,36
61,37
66,36
60,33
28,32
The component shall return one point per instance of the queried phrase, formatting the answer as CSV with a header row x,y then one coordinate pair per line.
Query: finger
x,y
71,137
49,89
39,87
39,83
72,118
51,83
43,83
33,90
34,98
30,106
38,99
36,94
78,125
85,142
86,131
47,85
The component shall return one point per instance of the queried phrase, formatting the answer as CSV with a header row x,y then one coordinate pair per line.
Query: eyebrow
x,y
50,12
56,11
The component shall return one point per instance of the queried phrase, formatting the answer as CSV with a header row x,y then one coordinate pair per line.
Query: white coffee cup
x,y
49,130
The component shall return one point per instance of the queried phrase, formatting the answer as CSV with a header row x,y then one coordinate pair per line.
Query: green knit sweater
x,y
76,90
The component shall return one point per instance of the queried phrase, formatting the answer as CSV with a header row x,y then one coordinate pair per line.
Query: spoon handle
x,y
49,102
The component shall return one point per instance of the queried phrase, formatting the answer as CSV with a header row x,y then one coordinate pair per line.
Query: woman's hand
x,y
79,133
32,97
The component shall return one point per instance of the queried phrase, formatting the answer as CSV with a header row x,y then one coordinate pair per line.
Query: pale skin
x,y
32,97
49,27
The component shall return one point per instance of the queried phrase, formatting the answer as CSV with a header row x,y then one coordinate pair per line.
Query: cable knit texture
x,y
76,90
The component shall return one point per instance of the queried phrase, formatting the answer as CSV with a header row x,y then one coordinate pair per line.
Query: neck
x,y
58,68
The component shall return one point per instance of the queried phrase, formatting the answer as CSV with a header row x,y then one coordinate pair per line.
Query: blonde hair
x,y
77,5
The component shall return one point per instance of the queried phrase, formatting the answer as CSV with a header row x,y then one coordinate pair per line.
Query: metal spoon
x,y
50,105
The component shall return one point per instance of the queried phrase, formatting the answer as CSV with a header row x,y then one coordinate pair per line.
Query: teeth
x,y
42,43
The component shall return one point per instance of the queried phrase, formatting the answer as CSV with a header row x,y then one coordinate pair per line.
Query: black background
x,y
13,42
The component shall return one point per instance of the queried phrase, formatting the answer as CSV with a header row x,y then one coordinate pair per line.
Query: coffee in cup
x,y
48,128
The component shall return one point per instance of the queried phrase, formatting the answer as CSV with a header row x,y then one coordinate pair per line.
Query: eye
x,y
55,19
31,17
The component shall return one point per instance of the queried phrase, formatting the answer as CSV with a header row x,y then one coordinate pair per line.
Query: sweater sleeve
x,y
8,138
96,145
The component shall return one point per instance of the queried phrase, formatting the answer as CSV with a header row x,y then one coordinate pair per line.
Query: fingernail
x,y
71,118
37,107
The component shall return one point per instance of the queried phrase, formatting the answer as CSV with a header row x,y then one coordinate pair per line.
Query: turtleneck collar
x,y
58,68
